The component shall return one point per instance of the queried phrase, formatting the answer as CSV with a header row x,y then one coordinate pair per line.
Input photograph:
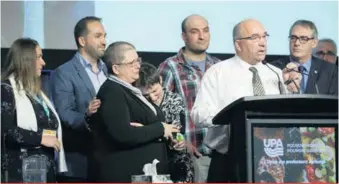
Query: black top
x,y
13,138
121,150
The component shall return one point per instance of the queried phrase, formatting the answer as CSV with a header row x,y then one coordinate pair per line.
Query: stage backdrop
x,y
154,27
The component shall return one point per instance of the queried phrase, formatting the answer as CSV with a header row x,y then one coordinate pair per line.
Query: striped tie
x,y
258,89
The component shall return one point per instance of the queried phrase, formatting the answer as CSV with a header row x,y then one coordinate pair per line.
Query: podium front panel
x,y
292,150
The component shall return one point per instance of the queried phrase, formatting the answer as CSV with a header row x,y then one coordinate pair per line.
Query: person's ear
x,y
115,69
315,43
237,45
184,37
82,41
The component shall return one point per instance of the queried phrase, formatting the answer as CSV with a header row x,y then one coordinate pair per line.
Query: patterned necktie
x,y
258,88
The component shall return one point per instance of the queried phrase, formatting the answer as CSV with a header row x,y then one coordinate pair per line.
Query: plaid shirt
x,y
184,79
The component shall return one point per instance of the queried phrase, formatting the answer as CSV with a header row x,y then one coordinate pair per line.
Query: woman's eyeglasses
x,y
132,63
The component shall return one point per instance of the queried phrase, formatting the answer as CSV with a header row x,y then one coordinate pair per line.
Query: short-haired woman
x,y
128,131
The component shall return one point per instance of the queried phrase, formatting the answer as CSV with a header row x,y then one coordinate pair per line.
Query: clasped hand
x,y
177,145
292,76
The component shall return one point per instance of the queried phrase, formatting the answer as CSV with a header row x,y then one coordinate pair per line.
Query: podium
x,y
282,138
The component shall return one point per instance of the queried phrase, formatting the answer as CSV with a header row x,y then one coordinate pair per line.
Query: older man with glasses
x,y
326,50
245,74
318,77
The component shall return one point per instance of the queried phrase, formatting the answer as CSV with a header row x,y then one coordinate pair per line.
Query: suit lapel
x,y
312,76
84,76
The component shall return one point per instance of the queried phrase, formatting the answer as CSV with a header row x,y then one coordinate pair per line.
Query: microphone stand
x,y
289,82
292,80
279,81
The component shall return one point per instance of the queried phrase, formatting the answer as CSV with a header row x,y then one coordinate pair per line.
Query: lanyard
x,y
43,103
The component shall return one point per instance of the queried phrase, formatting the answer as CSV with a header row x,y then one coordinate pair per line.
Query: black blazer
x,y
322,74
121,150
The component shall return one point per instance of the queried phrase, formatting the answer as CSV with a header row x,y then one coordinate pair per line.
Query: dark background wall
x,y
55,58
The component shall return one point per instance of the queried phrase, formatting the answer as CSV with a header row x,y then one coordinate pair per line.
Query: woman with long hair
x,y
31,148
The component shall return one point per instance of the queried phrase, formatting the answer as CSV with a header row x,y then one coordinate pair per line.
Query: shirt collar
x,y
306,65
182,60
246,65
86,63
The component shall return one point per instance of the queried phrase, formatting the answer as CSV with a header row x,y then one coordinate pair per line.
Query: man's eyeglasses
x,y
322,53
132,63
302,39
254,37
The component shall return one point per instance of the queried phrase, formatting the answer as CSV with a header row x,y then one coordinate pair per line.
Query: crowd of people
x,y
111,113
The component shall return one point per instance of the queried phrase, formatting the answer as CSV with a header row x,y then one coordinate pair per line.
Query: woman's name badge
x,y
49,132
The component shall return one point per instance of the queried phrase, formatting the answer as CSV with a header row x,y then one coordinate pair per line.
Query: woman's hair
x,y
115,54
148,76
21,63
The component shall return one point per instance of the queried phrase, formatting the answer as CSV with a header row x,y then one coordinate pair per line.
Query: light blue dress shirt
x,y
97,78
306,67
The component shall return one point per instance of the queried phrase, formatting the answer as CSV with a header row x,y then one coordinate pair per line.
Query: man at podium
x,y
246,74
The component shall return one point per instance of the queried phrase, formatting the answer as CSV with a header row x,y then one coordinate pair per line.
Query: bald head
x,y
246,28
191,21
326,50
250,40
195,34
329,44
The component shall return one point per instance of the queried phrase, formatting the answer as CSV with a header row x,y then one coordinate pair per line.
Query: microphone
x,y
300,70
316,88
315,81
289,81
279,81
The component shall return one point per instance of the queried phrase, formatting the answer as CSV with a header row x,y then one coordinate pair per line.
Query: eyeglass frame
x,y
254,37
302,39
132,63
322,53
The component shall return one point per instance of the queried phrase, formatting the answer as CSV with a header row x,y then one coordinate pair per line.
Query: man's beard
x,y
94,53
196,50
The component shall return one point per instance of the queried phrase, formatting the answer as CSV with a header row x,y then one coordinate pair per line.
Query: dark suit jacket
x,y
72,90
322,74
121,150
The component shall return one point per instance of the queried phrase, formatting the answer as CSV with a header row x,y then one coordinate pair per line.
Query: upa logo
x,y
273,147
